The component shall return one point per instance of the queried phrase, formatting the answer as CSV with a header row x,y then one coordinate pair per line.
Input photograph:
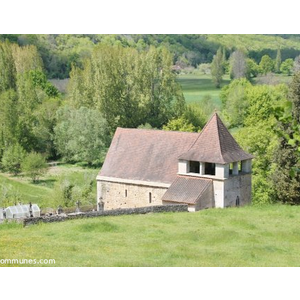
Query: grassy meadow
x,y
22,189
249,236
195,87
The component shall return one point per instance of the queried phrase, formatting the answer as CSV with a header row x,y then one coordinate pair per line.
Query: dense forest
x,y
132,81
60,51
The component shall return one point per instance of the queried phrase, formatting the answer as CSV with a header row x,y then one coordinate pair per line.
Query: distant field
x,y
250,236
195,87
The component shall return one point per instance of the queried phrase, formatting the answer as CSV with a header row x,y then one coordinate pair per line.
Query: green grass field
x,y
195,87
22,189
250,236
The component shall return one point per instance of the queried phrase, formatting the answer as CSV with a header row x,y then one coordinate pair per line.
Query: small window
x,y
194,167
210,169
150,197
125,193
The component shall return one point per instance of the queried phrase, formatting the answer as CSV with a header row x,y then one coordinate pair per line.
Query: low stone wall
x,y
115,212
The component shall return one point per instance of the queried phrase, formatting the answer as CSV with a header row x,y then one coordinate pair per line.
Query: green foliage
x,y
287,66
180,124
12,159
81,135
128,87
266,64
246,105
252,68
235,101
217,68
7,67
34,165
39,79
260,140
8,119
287,178
145,126
278,61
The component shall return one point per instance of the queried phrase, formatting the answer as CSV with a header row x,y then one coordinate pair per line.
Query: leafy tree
x,y
286,179
296,64
7,67
235,101
34,165
252,68
287,66
238,64
12,159
128,87
180,124
8,119
260,140
81,135
278,61
266,64
217,68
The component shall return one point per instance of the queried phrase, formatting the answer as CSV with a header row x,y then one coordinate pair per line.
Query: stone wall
x,y
121,195
115,212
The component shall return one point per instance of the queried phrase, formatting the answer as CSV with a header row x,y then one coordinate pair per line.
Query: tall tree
x,y
81,135
266,64
287,66
278,61
238,65
128,87
287,157
217,68
7,67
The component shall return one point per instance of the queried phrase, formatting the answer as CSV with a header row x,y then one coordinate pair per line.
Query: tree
x,y
287,66
296,64
128,87
252,68
286,179
81,135
34,165
8,119
266,64
12,159
180,124
278,61
238,64
7,67
217,69
235,101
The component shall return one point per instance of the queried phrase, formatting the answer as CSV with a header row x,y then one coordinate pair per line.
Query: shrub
x,y
34,166
12,159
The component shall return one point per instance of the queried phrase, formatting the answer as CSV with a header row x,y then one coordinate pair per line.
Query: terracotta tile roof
x,y
186,189
148,155
215,144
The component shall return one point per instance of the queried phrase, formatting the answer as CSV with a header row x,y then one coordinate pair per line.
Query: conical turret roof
x,y
215,144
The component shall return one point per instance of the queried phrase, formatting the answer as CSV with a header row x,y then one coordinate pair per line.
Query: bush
x,y
12,159
34,166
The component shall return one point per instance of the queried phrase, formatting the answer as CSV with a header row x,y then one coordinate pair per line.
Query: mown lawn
x,y
250,236
195,87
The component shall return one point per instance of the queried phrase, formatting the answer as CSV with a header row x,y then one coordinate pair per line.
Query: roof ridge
x,y
200,133
218,131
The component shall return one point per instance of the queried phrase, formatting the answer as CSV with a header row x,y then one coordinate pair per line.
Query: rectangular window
x,y
150,197
125,193
194,167
210,169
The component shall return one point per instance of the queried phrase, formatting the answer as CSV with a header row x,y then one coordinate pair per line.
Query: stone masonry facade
x,y
121,195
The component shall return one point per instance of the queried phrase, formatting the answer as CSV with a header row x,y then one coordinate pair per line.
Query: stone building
x,y
154,167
